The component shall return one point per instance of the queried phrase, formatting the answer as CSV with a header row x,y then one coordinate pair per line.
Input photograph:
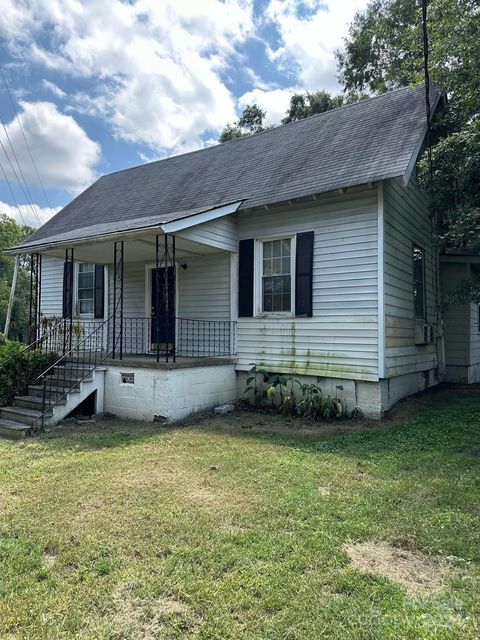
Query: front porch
x,y
157,297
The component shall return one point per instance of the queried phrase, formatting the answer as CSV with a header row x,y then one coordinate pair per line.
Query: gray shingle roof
x,y
364,142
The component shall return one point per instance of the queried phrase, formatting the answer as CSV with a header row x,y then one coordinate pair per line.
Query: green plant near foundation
x,y
277,393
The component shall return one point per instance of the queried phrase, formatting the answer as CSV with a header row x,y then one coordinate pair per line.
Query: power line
x,y
13,194
26,141
27,198
26,190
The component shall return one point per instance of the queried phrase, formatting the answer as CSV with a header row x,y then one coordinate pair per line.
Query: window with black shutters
x,y
277,275
418,256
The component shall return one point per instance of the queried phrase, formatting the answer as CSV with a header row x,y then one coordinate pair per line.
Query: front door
x,y
163,309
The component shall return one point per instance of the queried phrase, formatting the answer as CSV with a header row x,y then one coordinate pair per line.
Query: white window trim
x,y
258,273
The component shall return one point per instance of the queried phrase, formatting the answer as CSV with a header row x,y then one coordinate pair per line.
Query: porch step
x,y
34,402
27,417
37,390
13,430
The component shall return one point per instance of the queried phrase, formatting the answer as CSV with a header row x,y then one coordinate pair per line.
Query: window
x,y
276,272
86,288
419,281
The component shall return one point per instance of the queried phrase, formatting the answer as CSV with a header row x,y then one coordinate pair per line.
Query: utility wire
x,y
26,141
427,84
12,192
26,190
27,197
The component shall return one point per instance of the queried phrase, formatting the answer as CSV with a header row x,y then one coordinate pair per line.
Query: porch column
x,y
68,283
117,315
165,282
35,295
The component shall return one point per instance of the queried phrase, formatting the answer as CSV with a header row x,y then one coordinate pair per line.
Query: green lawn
x,y
238,528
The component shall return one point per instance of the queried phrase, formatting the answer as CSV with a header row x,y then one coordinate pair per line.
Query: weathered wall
x,y
406,221
171,394
341,339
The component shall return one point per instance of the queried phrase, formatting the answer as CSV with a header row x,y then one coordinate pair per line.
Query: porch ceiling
x,y
140,248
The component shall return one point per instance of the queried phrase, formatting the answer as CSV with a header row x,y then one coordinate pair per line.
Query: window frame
x,y
417,246
258,276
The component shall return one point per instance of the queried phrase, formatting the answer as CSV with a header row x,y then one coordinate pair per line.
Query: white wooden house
x,y
306,249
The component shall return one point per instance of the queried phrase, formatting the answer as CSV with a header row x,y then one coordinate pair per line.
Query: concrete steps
x,y
25,415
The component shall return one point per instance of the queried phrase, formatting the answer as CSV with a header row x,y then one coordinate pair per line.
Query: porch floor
x,y
181,362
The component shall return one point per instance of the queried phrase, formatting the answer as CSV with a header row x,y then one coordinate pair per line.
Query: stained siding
x,y
406,221
341,339
456,317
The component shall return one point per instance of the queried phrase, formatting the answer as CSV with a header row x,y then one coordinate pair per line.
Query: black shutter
x,y
245,278
303,274
99,306
67,289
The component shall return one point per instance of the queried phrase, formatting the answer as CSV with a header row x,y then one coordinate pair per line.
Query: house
x,y
306,249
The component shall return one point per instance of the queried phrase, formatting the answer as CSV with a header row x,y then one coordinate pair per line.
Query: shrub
x,y
290,397
19,368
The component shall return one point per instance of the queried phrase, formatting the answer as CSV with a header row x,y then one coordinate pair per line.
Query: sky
x,y
94,86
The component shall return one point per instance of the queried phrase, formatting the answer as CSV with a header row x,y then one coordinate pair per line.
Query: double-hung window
x,y
276,275
86,288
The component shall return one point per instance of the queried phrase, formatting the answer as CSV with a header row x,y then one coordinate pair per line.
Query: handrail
x,y
31,345
70,351
86,368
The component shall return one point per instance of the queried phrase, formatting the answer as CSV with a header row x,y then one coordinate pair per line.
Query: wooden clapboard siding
x,y
341,338
456,317
474,334
220,233
406,221
52,286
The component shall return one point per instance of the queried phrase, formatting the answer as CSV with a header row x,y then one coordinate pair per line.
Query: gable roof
x,y
370,140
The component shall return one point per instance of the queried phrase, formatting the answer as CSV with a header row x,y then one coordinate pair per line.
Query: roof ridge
x,y
259,133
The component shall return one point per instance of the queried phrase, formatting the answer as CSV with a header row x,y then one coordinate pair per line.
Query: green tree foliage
x,y
384,50
12,234
303,105
251,121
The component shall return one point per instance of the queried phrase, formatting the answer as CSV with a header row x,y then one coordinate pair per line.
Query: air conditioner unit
x,y
424,333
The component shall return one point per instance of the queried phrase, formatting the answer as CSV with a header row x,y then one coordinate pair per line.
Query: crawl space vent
x,y
128,378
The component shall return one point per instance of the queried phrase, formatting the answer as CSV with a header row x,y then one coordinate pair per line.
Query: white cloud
x,y
64,154
156,66
308,40
273,101
26,215
53,88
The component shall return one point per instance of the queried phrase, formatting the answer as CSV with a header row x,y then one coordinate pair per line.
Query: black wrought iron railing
x,y
164,338
72,368
22,365
178,337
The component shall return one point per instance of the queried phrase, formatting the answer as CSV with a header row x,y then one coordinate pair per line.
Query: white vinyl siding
x,y
51,302
341,338
407,222
220,233
204,287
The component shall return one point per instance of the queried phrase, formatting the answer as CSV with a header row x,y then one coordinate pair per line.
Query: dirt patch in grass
x,y
418,573
131,616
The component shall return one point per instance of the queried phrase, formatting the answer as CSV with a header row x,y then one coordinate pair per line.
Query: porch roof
x,y
371,140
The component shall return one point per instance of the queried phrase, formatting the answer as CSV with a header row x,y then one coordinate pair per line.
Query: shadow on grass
x,y
446,420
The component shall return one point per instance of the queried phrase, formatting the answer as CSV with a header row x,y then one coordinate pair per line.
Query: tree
x,y
384,50
251,121
12,234
303,105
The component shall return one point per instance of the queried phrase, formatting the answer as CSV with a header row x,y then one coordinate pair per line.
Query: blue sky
x,y
100,85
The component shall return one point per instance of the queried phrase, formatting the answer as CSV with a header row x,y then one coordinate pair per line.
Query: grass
x,y
237,528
